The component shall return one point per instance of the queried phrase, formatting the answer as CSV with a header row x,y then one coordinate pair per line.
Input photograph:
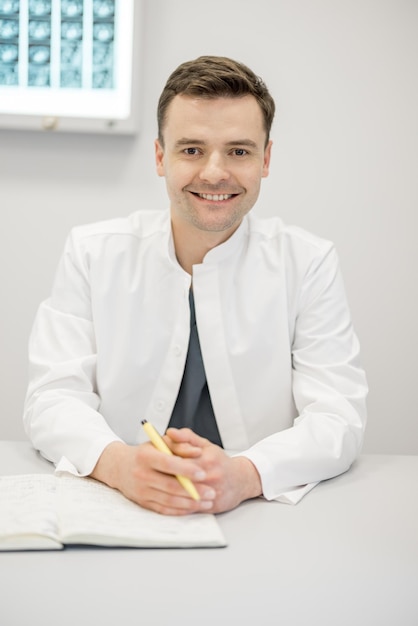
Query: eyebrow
x,y
186,141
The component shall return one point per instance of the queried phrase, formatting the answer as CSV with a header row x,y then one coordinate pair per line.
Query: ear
x,y
266,163
159,157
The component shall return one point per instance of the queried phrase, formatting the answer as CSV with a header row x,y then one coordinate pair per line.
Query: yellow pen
x,y
161,445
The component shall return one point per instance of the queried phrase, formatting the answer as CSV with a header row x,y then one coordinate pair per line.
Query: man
x,y
204,316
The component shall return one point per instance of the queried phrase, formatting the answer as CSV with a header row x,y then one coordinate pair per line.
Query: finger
x,y
170,508
186,435
186,450
185,443
168,496
174,465
183,449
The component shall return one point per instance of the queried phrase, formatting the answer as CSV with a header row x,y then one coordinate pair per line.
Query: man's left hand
x,y
234,479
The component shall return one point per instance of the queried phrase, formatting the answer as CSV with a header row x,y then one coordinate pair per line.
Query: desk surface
x,y
347,554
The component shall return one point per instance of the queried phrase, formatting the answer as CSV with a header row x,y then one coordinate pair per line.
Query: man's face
x,y
213,159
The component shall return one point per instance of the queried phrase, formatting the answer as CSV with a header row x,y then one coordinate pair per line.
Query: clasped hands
x,y
148,477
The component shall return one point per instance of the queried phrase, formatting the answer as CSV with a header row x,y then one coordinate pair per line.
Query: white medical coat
x,y
108,348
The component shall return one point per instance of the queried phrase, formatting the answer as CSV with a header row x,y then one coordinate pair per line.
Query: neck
x,y
192,245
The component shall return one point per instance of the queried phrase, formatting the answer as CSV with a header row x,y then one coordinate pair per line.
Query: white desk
x,y
347,554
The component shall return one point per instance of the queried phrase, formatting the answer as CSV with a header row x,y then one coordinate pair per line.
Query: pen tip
x,y
143,421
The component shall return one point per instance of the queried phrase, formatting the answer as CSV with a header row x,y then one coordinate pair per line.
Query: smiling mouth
x,y
217,197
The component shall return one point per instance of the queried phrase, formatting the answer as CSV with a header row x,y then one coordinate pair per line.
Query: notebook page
x,y
28,519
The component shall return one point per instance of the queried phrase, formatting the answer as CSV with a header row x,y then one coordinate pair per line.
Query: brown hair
x,y
215,77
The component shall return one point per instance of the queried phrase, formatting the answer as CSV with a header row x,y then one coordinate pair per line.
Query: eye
x,y
191,151
240,152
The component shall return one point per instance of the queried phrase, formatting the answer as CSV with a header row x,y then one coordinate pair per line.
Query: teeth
x,y
216,197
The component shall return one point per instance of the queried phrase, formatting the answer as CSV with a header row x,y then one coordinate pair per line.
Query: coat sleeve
x,y
61,413
329,390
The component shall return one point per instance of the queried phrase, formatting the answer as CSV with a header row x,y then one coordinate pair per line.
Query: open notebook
x,y
47,512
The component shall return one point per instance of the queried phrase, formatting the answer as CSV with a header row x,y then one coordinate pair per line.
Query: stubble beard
x,y
216,219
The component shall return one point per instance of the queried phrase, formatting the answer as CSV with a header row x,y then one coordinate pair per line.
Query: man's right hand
x,y
148,477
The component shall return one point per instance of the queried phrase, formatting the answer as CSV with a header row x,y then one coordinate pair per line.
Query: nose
x,y
214,169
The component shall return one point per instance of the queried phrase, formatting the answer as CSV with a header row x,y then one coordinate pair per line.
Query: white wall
x,y
344,74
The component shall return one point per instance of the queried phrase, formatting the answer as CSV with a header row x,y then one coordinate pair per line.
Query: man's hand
x,y
233,479
147,476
